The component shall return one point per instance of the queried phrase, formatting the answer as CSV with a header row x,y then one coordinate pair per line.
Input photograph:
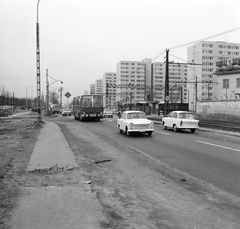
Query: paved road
x,y
209,156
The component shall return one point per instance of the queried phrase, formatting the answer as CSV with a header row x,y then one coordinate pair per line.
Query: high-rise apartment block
x,y
109,93
145,81
177,82
92,89
130,81
98,87
204,56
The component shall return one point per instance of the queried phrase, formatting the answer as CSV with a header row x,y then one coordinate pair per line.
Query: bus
x,y
88,107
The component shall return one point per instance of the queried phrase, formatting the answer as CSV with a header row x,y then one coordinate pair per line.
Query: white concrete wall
x,y
231,108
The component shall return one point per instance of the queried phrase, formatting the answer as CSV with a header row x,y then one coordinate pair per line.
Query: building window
x,y
238,82
226,83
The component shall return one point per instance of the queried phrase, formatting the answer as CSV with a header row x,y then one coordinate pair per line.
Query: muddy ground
x,y
134,190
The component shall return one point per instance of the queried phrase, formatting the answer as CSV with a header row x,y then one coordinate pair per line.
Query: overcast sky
x,y
80,40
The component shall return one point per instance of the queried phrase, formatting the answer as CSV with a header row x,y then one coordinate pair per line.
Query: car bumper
x,y
188,127
140,130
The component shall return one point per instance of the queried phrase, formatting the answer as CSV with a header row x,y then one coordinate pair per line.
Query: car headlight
x,y
131,125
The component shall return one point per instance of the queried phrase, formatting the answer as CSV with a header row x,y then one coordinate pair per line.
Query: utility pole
x,y
47,92
38,70
60,90
196,97
166,97
181,91
106,95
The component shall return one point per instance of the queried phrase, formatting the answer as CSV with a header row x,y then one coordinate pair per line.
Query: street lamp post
x,y
38,69
27,97
47,89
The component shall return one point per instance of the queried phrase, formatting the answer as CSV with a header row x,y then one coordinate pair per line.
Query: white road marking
x,y
109,120
161,132
224,147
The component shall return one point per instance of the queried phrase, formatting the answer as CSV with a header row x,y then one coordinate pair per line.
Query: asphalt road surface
x,y
208,156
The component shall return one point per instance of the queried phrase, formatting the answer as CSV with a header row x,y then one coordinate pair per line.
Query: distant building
x,y
98,87
110,100
92,89
177,82
205,54
146,81
131,81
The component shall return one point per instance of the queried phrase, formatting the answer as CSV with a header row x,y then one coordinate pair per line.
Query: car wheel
x,y
175,128
193,130
149,134
127,132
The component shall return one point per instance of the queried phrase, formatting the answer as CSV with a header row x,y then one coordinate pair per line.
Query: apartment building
x,y
92,89
110,100
177,82
98,86
146,81
204,56
131,81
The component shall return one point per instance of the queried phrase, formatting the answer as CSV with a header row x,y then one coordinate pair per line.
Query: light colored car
x,y
180,120
66,112
108,113
135,122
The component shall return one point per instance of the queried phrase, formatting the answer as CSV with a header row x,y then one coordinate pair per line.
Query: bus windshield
x,y
92,101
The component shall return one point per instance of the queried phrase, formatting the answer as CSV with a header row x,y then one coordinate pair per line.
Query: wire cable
x,y
196,41
207,38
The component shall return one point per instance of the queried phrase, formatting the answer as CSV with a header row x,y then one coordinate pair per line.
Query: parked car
x,y
135,122
66,112
108,113
180,120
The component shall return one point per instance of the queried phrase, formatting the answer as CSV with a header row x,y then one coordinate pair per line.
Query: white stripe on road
x,y
224,147
109,120
161,132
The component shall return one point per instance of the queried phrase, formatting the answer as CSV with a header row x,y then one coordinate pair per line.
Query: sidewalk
x,y
57,207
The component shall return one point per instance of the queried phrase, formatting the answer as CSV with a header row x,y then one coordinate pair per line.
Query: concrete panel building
x,y
145,81
177,82
110,100
205,54
98,87
92,89
131,81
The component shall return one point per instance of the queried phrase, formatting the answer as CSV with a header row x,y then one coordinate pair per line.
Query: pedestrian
x,y
119,114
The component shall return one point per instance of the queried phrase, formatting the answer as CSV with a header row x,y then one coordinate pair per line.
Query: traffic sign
x,y
67,94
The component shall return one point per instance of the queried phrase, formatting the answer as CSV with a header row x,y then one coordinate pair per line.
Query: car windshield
x,y
186,116
136,115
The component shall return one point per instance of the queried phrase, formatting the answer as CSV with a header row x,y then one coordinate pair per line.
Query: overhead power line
x,y
6,78
196,41
207,38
